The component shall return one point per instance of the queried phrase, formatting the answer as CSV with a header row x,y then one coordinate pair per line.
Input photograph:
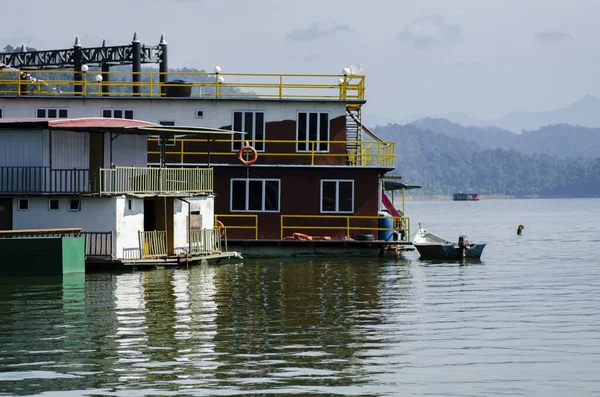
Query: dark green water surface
x,y
525,320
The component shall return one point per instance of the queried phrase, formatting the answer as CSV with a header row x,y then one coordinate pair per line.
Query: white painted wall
x,y
128,223
97,214
217,113
180,226
204,204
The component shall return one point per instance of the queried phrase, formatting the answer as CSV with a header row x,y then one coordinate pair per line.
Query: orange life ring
x,y
251,160
222,227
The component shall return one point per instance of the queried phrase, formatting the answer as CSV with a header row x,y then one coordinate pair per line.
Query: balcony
x,y
340,153
32,180
161,181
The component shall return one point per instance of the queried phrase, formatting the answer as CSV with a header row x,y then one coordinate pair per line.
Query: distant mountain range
x,y
559,140
585,113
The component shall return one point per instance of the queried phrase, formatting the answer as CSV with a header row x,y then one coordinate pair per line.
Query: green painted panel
x,y
73,255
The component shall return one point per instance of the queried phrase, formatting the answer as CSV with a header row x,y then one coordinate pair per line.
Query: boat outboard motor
x,y
463,244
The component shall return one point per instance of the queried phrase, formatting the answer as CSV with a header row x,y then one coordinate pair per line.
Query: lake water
x,y
524,321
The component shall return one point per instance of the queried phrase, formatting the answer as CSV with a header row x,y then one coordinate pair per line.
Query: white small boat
x,y
432,246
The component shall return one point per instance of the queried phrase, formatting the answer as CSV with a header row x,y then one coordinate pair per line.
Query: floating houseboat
x,y
460,196
299,175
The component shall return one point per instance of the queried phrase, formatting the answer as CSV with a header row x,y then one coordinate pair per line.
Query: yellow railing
x,y
121,180
401,225
252,218
198,84
367,153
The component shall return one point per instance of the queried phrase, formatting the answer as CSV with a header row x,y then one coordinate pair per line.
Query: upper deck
x,y
155,84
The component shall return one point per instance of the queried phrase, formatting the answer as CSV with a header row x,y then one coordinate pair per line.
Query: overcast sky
x,y
481,57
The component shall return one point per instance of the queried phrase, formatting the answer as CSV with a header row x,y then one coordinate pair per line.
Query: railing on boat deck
x,y
121,180
205,241
200,84
347,223
367,153
241,221
98,244
153,244
43,179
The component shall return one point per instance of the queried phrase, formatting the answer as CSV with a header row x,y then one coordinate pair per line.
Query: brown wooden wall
x,y
274,130
300,195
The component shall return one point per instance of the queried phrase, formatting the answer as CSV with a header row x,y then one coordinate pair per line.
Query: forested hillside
x,y
444,165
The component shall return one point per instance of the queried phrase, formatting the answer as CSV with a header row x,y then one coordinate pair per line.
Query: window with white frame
x,y
337,195
117,113
199,113
257,195
253,124
74,205
23,205
51,113
312,132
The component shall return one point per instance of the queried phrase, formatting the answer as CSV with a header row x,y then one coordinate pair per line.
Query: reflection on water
x,y
520,321
236,327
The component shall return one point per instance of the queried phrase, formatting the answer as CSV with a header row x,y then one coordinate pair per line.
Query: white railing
x,y
122,180
153,244
205,241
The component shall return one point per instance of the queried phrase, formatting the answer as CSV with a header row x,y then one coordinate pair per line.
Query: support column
x,y
136,66
23,86
163,67
105,79
77,63
105,74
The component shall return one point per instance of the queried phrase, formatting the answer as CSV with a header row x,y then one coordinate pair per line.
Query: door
x,y
158,216
6,213
96,159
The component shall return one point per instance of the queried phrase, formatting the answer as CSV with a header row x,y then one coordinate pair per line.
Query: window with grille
x,y
255,195
312,132
117,114
253,124
337,196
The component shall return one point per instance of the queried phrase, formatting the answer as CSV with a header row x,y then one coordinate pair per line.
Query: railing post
x,y
141,243
160,181
348,226
312,153
280,86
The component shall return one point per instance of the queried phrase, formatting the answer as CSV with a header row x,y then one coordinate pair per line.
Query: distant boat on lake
x,y
460,196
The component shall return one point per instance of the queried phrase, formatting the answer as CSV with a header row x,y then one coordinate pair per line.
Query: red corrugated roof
x,y
91,122
98,122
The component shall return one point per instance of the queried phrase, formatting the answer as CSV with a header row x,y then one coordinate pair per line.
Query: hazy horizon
x,y
435,57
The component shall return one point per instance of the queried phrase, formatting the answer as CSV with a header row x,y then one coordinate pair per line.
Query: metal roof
x,y
101,124
393,185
